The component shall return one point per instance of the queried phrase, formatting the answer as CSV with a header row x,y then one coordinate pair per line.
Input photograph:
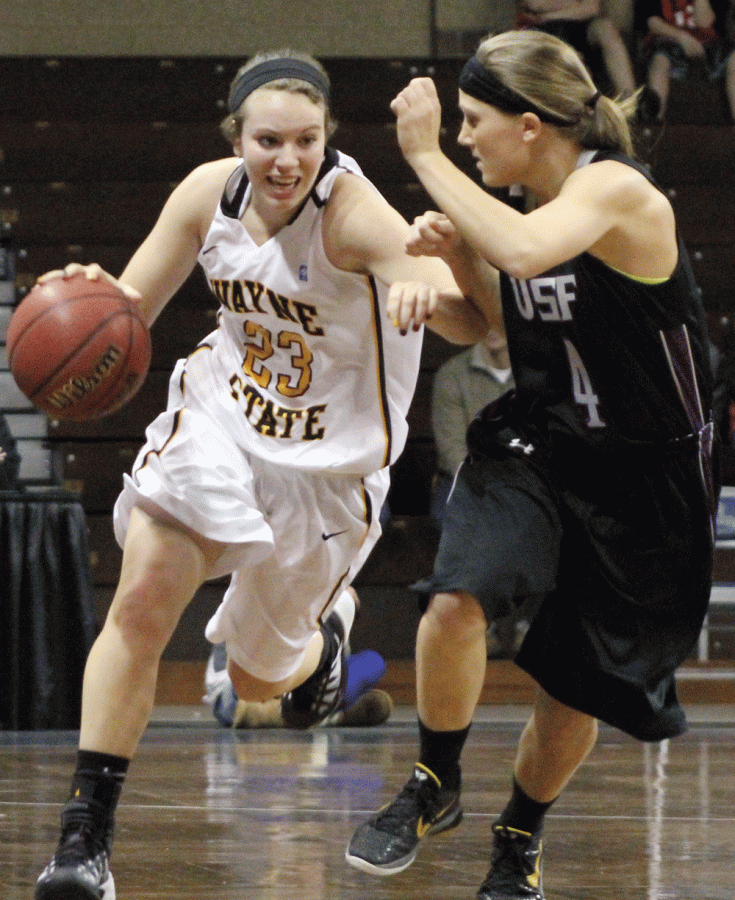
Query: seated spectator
x,y
581,24
683,39
463,385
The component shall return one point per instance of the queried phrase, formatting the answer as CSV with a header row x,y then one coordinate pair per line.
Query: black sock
x,y
522,812
440,752
97,784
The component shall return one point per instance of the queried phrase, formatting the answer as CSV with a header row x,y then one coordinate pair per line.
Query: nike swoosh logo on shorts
x,y
326,537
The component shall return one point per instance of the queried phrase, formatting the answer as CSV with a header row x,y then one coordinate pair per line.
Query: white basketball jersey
x,y
309,370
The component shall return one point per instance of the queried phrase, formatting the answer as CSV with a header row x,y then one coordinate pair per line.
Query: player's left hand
x,y
418,118
411,304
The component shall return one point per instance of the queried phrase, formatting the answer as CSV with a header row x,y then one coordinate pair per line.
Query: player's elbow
x,y
521,263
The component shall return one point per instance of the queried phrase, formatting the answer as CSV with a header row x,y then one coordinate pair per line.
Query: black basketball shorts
x,y
500,537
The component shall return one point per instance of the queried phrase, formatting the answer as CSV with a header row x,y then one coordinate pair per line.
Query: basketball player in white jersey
x,y
271,459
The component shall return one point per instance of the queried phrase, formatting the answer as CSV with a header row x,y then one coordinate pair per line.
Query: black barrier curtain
x,y
47,621
10,463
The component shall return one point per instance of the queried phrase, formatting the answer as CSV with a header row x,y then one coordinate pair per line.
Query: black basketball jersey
x,y
613,393
605,359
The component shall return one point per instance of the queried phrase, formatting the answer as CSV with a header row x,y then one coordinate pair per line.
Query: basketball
x,y
78,348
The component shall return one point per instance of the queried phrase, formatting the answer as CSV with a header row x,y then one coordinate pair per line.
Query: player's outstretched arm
x,y
365,234
169,254
434,234
607,209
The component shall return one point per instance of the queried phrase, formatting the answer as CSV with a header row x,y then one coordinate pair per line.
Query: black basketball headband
x,y
274,70
484,85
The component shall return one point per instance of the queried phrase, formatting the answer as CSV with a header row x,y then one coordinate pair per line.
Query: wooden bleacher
x,y
91,147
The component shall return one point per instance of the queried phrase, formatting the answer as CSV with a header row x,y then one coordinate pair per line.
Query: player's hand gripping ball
x,y
78,348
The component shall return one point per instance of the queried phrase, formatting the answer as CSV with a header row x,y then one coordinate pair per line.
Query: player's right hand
x,y
418,118
93,272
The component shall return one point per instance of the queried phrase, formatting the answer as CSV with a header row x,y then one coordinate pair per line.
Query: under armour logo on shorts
x,y
517,444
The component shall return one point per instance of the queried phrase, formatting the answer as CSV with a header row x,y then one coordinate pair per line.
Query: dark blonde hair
x,y
231,125
551,75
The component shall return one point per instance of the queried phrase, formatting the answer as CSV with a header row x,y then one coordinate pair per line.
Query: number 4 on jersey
x,y
584,393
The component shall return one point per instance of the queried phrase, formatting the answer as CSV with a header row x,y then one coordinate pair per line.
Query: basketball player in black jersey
x,y
590,487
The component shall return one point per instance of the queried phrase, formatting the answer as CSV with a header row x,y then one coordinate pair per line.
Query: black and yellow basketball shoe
x,y
387,843
515,870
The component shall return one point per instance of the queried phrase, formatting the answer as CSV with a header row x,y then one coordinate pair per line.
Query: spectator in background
x,y
582,24
9,458
463,385
684,39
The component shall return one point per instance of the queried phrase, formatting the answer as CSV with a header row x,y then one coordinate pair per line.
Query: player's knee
x,y
459,617
145,616
556,723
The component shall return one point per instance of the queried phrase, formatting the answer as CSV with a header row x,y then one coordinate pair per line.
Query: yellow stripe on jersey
x,y
380,380
641,279
174,429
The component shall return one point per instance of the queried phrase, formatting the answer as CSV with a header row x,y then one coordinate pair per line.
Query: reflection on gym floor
x,y
234,815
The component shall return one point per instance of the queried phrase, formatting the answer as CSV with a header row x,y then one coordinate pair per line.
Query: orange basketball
x,y
77,348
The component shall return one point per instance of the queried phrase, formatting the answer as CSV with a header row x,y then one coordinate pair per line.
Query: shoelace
x,y
508,864
79,844
81,837
415,795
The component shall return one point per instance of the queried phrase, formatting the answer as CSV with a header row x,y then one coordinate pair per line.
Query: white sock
x,y
345,609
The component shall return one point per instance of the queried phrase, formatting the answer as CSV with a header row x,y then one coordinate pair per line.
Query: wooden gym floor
x,y
211,813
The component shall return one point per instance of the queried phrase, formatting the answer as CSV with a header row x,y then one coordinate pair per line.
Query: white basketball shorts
x,y
294,539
